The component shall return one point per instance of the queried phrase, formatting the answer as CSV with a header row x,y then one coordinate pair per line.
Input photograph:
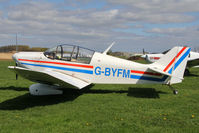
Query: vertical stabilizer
x,y
174,63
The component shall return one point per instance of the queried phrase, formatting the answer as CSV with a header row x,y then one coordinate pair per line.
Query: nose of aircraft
x,y
143,56
15,56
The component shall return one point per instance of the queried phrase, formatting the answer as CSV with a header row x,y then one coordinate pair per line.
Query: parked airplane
x,y
70,66
193,59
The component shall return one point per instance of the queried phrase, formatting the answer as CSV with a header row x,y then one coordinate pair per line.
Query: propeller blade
x,y
16,74
143,51
146,57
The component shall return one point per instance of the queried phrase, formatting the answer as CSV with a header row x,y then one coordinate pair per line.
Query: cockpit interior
x,y
71,53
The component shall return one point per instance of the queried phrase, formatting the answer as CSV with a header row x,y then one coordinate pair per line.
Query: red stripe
x,y
172,61
156,58
148,73
59,63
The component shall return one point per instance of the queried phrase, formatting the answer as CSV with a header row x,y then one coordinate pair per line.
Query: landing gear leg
x,y
175,92
186,71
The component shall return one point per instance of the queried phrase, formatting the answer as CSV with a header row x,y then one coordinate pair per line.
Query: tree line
x,y
11,48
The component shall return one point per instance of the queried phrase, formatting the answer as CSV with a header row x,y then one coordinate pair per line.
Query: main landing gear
x,y
186,72
175,92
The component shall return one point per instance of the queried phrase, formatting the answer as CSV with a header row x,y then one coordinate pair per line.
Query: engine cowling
x,y
44,89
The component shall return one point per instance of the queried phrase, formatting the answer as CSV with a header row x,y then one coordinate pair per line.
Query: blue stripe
x,y
180,60
149,78
61,68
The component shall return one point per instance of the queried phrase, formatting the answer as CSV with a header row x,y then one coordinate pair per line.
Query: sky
x,y
155,25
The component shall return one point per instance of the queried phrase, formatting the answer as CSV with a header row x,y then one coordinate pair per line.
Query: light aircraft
x,y
70,66
193,59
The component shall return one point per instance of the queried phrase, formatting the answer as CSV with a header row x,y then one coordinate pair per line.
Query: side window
x,y
50,53
59,52
75,53
84,55
70,53
67,51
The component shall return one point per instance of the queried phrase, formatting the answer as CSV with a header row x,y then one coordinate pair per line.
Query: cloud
x,y
46,23
157,18
185,32
178,36
4,1
168,6
158,11
168,31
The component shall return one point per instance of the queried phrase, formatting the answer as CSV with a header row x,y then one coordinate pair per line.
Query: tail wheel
x,y
175,92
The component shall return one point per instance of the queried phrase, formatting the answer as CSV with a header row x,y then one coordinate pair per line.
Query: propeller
x,y
16,74
143,51
16,52
145,55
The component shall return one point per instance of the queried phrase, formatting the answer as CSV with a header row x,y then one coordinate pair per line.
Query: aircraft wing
x,y
50,77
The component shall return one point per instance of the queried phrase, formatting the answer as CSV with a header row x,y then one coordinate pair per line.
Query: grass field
x,y
102,108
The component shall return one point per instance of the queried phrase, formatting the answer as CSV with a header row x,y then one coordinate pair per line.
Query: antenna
x,y
16,44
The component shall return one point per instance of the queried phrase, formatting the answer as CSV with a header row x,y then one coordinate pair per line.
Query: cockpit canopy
x,y
71,53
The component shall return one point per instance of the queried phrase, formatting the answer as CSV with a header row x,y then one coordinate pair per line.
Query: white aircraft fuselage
x,y
71,66
103,69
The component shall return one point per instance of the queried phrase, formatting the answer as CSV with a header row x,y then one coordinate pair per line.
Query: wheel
x,y
175,92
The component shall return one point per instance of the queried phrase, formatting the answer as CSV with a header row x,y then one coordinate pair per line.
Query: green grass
x,y
102,108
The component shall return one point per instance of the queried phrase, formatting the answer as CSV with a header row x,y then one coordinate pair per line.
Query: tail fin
x,y
173,63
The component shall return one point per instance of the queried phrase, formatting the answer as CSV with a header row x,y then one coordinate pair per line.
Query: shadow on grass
x,y
144,92
14,88
191,75
103,91
132,92
29,101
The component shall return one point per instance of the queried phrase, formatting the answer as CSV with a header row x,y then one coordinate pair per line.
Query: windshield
x,y
70,53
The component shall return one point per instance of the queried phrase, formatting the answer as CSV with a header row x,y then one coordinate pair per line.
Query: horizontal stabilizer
x,y
162,72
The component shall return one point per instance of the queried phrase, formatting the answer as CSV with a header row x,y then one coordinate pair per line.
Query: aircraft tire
x,y
175,92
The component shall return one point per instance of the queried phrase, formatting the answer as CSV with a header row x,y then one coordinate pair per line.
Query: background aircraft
x,y
70,66
193,59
